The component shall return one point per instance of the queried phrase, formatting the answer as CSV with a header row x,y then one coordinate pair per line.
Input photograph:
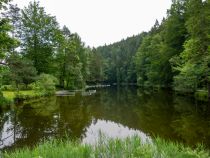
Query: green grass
x,y
110,148
10,95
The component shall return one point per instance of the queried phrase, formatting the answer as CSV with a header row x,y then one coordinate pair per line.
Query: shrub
x,y
14,88
45,84
8,88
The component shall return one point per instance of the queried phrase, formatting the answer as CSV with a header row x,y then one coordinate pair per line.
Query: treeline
x,y
119,60
32,43
174,53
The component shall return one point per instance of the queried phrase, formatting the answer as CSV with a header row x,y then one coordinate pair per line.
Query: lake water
x,y
116,112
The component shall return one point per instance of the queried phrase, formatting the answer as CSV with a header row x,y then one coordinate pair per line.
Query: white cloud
x,y
105,21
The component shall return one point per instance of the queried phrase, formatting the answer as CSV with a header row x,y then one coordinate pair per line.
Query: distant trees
x,y
118,62
174,53
160,45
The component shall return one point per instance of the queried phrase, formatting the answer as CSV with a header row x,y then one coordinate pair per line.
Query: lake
x,y
115,112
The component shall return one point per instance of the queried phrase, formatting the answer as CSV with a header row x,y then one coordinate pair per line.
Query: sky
x,y
100,22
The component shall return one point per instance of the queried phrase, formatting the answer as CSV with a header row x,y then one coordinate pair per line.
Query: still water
x,y
116,112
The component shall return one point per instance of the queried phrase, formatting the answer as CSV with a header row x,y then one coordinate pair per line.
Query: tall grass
x,y
131,147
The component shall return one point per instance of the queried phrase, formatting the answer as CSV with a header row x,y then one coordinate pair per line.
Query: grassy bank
x,y
127,148
11,95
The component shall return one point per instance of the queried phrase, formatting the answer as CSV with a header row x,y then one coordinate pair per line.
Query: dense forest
x,y
175,53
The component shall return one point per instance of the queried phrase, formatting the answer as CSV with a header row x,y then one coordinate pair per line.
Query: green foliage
x,y
21,70
201,95
116,61
176,52
71,60
8,88
4,102
150,62
96,67
7,42
37,36
159,46
193,65
12,96
45,84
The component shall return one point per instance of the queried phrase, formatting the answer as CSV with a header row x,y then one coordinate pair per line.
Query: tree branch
x,y
3,64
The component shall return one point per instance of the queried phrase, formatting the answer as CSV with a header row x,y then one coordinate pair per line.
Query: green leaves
x,y
21,70
38,36
194,69
45,84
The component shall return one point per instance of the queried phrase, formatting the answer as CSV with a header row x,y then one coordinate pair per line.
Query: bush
x,y
14,88
8,88
45,84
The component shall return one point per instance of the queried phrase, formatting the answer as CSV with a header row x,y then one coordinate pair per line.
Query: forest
x,y
35,51
175,53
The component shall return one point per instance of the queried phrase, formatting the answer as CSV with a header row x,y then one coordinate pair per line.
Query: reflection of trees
x,y
158,113
33,123
191,123
75,115
154,113
114,104
125,107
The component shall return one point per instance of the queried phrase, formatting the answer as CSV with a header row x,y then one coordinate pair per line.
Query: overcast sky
x,y
105,21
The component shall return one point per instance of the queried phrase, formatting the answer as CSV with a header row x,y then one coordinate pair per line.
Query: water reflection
x,y
126,111
110,129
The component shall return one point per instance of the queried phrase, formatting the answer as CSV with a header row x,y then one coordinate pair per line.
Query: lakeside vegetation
x,y
175,52
131,147
37,55
10,95
43,86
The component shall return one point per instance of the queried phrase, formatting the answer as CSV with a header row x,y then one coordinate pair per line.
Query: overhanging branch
x,y
3,64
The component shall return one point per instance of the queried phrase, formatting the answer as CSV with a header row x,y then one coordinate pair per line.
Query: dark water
x,y
117,112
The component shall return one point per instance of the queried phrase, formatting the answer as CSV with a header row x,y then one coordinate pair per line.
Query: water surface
x,y
117,112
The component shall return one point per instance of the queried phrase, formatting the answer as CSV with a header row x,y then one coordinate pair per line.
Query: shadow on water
x,y
115,111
